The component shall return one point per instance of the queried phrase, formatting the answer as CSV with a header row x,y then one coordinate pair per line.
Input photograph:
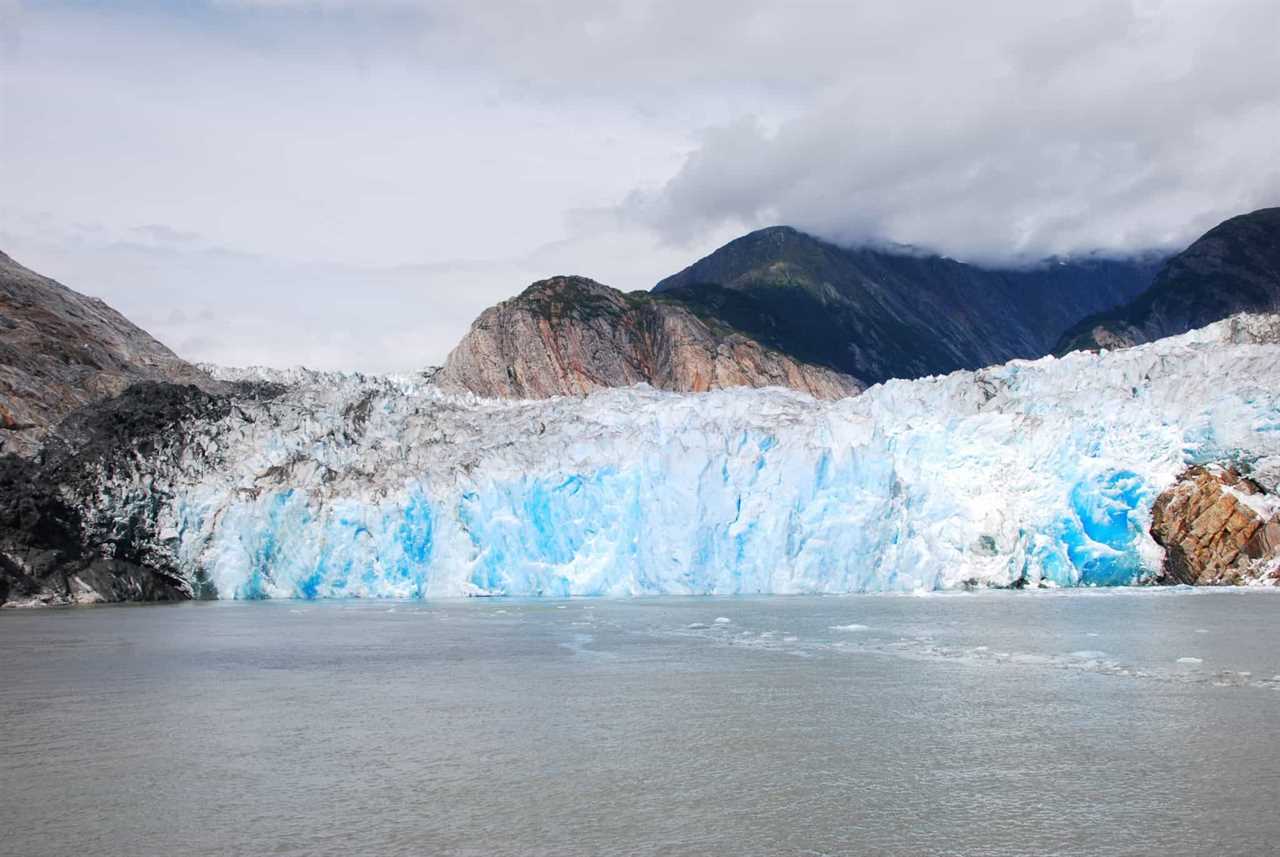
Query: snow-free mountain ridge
x,y
60,350
877,314
1232,268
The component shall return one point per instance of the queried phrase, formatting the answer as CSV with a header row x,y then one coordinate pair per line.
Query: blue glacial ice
x,y
1038,471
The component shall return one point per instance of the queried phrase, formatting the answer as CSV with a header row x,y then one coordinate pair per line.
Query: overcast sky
x,y
347,184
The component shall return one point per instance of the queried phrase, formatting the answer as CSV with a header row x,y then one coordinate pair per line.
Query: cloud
x,y
217,305
1002,136
349,183
1002,130
161,234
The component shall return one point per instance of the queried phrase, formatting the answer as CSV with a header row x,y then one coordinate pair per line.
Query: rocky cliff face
x,y
1217,527
877,314
60,350
568,336
1232,268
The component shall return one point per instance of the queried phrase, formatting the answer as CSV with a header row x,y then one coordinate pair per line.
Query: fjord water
x,y
1090,722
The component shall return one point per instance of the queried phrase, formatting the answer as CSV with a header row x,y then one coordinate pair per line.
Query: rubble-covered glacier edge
x,y
1027,473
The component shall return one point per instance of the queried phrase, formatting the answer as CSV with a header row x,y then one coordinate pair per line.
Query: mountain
x,y
567,336
1232,268
60,350
877,314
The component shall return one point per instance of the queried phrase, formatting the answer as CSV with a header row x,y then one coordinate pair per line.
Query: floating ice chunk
x,y
723,620
1089,655
1190,660
698,626
1092,634
852,626
789,639
1202,630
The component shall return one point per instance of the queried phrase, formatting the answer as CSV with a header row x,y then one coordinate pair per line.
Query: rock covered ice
x,y
1033,472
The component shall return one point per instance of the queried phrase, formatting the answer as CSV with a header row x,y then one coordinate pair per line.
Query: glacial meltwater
x,y
1094,722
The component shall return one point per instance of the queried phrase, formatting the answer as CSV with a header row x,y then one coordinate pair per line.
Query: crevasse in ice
x,y
1039,471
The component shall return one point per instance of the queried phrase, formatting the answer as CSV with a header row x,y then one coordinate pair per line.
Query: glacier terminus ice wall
x,y
1034,472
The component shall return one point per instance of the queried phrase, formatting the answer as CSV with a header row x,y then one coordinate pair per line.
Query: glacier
x,y
1030,473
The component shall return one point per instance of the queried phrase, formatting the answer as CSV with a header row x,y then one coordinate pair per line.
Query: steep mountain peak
x,y
1232,268
777,234
563,283
884,312
775,255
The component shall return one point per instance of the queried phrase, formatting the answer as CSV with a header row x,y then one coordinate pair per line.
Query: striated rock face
x,y
1217,527
60,349
568,336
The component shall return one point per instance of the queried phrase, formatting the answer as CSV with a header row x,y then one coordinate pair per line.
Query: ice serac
x,y
60,350
1031,473
568,336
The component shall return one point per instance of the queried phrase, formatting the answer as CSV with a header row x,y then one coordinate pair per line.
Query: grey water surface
x,y
1074,723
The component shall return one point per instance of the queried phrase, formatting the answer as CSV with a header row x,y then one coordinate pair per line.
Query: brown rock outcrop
x,y
567,336
60,349
1217,527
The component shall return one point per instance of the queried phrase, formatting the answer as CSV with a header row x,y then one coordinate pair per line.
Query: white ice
x,y
1036,471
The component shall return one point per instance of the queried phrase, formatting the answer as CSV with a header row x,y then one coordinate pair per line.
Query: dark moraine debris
x,y
67,535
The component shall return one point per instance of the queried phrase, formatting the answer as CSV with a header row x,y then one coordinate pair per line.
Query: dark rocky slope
x,y
572,335
53,548
1232,268
878,315
63,538
60,350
